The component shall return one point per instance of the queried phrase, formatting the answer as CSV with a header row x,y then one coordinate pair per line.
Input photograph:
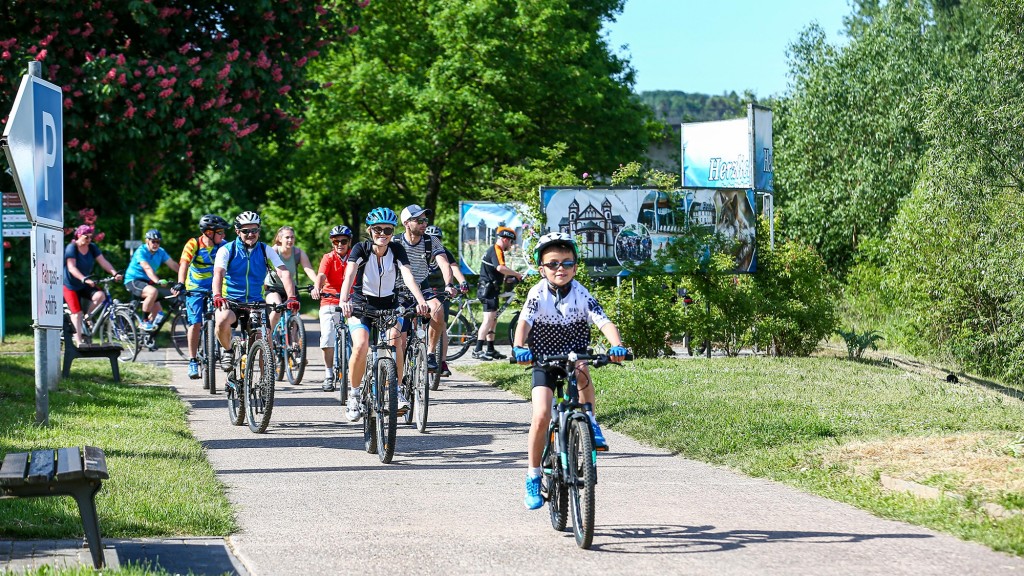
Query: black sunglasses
x,y
555,265
382,231
249,231
339,241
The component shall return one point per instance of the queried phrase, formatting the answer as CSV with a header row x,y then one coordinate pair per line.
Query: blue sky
x,y
712,47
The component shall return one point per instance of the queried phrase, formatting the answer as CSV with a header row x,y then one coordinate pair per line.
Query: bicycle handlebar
x,y
597,360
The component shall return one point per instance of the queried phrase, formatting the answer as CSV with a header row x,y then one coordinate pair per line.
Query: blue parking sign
x,y
48,158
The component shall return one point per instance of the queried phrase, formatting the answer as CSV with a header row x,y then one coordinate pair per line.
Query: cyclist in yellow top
x,y
195,272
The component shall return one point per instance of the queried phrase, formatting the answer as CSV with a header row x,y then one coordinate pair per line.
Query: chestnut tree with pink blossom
x,y
158,90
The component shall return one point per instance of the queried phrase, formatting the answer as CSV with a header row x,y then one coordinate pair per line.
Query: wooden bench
x,y
64,472
111,351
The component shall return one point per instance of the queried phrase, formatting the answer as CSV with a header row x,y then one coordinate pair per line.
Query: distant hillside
x,y
674,107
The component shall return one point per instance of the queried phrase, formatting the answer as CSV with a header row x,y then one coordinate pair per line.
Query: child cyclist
x,y
556,320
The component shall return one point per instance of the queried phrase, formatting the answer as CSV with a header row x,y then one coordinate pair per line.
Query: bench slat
x,y
41,467
95,463
69,464
12,473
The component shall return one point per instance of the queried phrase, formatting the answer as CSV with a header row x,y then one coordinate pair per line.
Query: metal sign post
x,y
33,141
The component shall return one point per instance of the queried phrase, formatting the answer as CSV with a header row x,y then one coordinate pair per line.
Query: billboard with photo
x,y
619,229
478,225
734,154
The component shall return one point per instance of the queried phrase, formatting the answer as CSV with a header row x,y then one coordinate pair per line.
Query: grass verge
x,y
160,481
829,426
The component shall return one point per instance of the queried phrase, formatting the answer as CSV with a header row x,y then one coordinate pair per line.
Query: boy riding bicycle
x,y
556,319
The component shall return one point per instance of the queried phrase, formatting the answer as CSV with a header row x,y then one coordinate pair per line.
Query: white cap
x,y
414,211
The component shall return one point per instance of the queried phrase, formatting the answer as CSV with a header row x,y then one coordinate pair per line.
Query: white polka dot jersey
x,y
560,320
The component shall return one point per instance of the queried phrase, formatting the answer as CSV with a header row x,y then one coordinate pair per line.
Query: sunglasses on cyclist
x,y
555,265
379,231
421,220
339,241
249,231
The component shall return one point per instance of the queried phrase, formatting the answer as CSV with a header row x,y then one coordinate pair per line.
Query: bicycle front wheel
x,y
277,338
421,379
121,330
342,352
179,335
386,375
461,335
295,354
259,386
582,468
512,328
435,376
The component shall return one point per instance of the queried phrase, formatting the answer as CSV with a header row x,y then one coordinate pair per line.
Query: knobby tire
x,y
582,480
259,385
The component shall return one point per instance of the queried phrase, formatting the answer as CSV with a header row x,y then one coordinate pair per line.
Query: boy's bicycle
x,y
289,344
208,353
463,325
569,460
380,385
250,384
112,322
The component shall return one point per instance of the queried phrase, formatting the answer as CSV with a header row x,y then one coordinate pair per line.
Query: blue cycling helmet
x,y
382,216
341,230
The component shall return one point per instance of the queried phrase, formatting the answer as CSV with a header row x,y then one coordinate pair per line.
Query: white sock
x,y
533,472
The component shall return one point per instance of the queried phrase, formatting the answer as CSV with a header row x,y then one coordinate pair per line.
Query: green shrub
x,y
857,343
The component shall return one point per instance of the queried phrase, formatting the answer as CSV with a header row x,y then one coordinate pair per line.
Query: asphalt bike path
x,y
310,500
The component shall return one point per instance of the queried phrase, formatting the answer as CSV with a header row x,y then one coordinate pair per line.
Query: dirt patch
x,y
988,463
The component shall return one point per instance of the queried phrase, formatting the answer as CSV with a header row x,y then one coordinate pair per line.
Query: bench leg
x,y
115,369
86,499
69,355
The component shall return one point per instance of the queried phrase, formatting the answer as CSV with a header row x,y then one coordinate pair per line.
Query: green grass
x,y
160,481
126,570
785,419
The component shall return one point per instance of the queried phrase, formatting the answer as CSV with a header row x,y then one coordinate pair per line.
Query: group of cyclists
x,y
383,272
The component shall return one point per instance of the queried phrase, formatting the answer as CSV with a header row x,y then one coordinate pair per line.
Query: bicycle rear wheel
x,y
259,386
277,338
582,468
179,335
421,379
435,376
385,373
121,330
295,354
461,335
371,403
342,352
208,360
557,492
512,328
234,389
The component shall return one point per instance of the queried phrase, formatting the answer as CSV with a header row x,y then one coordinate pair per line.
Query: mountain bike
x,y
112,322
416,382
289,344
342,351
174,314
250,384
380,385
569,459
208,353
463,325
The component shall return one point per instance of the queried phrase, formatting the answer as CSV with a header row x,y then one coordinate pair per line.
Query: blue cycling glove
x,y
522,354
617,352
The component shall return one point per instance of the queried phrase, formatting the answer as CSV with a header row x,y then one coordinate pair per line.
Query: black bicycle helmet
x,y
211,222
153,234
341,230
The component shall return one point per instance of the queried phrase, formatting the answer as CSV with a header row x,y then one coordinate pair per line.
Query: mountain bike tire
x,y
435,376
179,335
259,386
121,330
295,354
208,358
341,356
557,492
386,375
461,335
420,388
582,468
234,389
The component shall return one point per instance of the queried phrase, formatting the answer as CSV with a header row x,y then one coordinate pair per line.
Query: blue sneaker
x,y
193,369
146,326
533,499
600,444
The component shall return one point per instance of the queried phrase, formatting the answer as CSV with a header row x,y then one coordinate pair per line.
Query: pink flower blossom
x,y
166,93
179,122
41,56
353,30
364,3
67,103
189,102
224,72
86,146
196,83
73,143
284,89
232,56
99,237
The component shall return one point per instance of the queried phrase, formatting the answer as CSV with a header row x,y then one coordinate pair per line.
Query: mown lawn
x,y
830,426
160,481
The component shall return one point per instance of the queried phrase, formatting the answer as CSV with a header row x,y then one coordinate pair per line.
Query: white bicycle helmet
x,y
554,239
433,231
247,217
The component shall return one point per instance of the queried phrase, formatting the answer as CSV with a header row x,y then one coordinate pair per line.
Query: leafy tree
x,y
848,141
954,257
675,107
157,90
431,97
